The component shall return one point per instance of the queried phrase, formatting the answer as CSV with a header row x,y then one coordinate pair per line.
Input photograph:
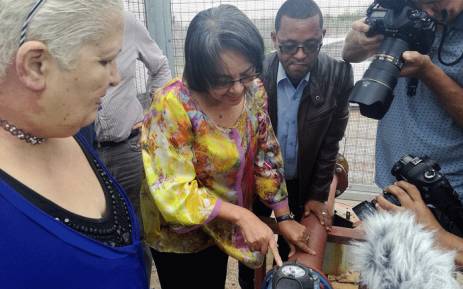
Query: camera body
x,y
425,174
434,187
405,27
400,19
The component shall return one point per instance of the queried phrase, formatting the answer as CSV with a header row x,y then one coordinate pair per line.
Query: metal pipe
x,y
318,235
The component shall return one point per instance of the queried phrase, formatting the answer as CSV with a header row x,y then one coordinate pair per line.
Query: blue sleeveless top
x,y
36,251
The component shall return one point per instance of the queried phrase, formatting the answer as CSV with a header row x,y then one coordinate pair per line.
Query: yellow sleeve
x,y
168,160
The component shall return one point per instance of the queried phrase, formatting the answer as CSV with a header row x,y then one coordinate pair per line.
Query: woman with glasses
x,y
64,222
209,150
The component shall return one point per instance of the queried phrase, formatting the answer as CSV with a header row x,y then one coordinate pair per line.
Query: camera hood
x,y
372,96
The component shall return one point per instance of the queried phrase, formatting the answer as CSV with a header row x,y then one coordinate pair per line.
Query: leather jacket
x,y
322,119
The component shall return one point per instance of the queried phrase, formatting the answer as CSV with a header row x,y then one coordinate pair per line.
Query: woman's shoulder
x,y
171,104
173,87
174,92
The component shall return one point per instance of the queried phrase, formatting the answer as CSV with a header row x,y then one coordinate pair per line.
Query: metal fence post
x,y
159,24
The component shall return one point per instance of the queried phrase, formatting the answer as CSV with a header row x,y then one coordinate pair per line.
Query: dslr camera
x,y
435,190
405,27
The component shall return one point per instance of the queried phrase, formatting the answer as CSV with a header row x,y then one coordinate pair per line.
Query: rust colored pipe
x,y
317,242
318,236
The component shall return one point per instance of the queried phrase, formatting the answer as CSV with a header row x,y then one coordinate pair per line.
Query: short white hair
x,y
63,25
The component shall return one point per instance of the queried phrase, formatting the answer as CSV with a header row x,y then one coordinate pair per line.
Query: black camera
x,y
434,187
365,208
404,27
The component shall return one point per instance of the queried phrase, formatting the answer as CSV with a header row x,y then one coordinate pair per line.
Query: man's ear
x,y
273,34
32,62
324,32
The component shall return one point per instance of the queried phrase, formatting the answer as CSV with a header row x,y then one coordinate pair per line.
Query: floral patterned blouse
x,y
192,165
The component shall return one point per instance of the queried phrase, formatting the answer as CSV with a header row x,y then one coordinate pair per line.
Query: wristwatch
x,y
285,217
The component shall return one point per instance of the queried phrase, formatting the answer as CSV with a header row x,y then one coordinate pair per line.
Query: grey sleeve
x,y
152,57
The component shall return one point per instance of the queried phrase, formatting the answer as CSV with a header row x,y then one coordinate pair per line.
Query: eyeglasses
x,y
225,83
308,47
27,21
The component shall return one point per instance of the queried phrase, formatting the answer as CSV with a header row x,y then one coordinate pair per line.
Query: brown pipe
x,y
318,236
317,242
318,239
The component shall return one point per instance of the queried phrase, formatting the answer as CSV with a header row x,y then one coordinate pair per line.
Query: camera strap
x,y
445,32
412,85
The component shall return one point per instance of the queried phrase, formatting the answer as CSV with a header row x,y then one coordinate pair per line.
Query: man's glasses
x,y
308,47
224,83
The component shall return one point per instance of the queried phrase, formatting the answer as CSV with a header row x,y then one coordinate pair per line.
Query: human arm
x,y
320,181
296,234
150,55
269,178
447,90
167,141
357,46
410,198
256,233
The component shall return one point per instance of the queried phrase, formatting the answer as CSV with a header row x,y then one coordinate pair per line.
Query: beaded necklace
x,y
20,134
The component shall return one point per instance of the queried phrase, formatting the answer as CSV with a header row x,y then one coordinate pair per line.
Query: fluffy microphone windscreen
x,y
399,253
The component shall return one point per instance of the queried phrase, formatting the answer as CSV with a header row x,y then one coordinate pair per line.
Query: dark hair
x,y
210,33
298,9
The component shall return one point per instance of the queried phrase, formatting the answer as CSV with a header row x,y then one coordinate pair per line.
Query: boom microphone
x,y
399,253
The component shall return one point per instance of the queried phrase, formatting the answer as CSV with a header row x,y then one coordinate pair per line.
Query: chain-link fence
x,y
338,16
358,144
137,7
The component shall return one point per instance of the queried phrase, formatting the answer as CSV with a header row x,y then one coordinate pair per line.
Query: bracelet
x,y
285,217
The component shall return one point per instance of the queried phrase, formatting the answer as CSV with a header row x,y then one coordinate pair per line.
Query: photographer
x,y
410,198
430,122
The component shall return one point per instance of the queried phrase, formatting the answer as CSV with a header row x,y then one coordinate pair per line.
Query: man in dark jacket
x,y
308,104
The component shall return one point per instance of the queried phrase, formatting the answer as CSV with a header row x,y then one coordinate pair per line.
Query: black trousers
x,y
245,274
205,269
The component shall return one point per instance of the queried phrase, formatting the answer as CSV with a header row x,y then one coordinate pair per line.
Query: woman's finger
x,y
264,248
276,255
305,236
292,250
304,246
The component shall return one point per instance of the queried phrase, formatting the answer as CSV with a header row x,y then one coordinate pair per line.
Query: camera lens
x,y
391,198
373,92
364,209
